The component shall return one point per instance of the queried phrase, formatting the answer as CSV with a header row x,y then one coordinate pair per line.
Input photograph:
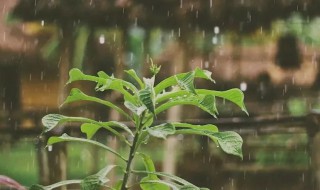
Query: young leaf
x,y
134,75
186,82
50,121
138,110
205,74
67,138
104,82
77,95
162,131
171,81
208,103
146,97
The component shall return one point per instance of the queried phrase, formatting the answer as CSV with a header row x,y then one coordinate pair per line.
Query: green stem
x,y
133,149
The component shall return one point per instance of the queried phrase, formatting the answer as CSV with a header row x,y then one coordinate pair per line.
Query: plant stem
x,y
133,149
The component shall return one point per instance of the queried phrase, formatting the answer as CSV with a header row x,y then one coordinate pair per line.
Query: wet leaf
x,y
92,182
230,142
77,95
67,138
134,75
138,110
186,82
149,166
51,121
146,97
204,102
162,131
234,95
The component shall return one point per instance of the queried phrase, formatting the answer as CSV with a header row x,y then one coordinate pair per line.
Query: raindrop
x,y
131,56
181,2
206,64
41,76
102,39
42,23
4,36
210,3
243,86
216,30
114,37
30,77
215,40
179,32
50,148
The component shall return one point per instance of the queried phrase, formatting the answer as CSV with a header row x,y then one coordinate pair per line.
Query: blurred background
x,y
268,49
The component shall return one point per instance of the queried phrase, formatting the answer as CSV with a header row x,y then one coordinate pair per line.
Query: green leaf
x,y
95,181
171,81
90,129
75,75
186,82
234,95
134,75
77,95
207,127
230,142
138,110
162,174
50,121
67,138
147,183
105,82
162,131
205,74
208,103
105,171
204,102
118,125
91,182
148,163
146,97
